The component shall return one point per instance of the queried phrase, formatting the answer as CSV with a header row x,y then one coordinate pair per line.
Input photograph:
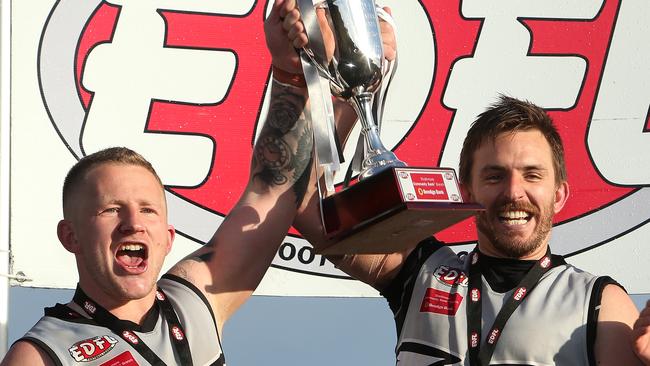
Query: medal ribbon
x,y
480,356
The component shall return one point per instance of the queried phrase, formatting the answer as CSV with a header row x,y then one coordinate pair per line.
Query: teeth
x,y
132,247
516,222
515,215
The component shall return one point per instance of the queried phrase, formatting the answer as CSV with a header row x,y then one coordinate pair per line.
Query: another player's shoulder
x,y
25,352
429,246
615,297
616,318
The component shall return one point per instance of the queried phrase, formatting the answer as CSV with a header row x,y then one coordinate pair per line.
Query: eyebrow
x,y
141,202
500,168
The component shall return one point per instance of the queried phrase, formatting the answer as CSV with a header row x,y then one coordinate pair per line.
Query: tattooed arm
x,y
376,270
231,265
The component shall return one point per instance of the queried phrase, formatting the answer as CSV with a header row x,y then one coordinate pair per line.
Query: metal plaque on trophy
x,y
392,206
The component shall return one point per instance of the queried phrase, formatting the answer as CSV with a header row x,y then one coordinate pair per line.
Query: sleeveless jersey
x,y
554,325
71,339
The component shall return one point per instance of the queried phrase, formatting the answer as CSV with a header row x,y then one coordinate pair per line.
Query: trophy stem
x,y
377,157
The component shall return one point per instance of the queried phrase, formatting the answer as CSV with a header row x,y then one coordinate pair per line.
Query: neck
x,y
486,247
133,310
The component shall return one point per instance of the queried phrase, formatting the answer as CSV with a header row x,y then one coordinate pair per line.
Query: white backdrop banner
x,y
184,83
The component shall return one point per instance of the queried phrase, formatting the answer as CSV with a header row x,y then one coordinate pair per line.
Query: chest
x,y
548,328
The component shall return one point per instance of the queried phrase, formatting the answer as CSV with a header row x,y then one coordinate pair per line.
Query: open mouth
x,y
514,217
133,257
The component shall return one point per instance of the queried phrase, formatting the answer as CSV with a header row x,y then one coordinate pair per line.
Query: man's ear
x,y
561,196
466,193
171,234
67,237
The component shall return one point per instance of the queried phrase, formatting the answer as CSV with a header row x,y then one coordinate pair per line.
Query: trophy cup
x,y
392,206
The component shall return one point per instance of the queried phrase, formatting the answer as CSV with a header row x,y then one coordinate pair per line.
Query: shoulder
x,y
616,304
25,352
186,296
179,288
430,252
614,330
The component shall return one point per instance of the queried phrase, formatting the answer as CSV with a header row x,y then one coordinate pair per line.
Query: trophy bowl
x,y
355,70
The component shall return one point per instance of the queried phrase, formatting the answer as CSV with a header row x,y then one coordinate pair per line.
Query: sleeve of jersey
x,y
592,317
399,291
194,289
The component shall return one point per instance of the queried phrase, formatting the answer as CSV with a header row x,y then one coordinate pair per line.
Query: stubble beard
x,y
510,246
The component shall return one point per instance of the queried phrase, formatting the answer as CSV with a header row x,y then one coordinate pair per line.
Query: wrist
x,y
288,78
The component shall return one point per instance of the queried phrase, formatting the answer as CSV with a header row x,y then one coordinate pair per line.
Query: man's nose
x,y
131,221
514,187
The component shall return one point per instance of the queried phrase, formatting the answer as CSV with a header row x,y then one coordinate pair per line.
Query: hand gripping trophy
x,y
392,206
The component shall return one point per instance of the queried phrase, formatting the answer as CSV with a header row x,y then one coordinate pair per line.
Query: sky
x,y
271,330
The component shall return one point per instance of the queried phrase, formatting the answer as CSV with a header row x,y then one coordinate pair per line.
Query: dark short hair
x,y
509,115
111,155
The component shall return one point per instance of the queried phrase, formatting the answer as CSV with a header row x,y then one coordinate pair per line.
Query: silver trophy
x,y
397,206
355,71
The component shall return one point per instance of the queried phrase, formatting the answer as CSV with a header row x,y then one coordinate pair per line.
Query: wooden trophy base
x,y
393,211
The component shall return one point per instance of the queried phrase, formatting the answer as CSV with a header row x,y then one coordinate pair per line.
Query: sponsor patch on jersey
x,y
519,293
494,335
130,336
475,295
90,307
92,348
123,359
474,340
440,302
177,333
450,276
160,296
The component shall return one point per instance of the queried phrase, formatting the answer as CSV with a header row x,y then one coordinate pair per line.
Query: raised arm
x,y
232,264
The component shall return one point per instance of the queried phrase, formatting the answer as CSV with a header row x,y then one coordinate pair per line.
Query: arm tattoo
x,y
283,151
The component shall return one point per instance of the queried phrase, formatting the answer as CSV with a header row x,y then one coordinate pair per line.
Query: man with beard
x,y
510,301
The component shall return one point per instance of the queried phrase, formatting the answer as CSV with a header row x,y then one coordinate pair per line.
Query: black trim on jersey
x,y
592,315
220,362
503,274
196,290
148,324
66,313
39,344
446,358
399,291
201,295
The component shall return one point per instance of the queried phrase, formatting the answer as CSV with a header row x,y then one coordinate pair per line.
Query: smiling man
x,y
510,301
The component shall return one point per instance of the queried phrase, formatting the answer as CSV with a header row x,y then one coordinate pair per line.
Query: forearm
x,y
375,270
283,151
231,265
280,170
